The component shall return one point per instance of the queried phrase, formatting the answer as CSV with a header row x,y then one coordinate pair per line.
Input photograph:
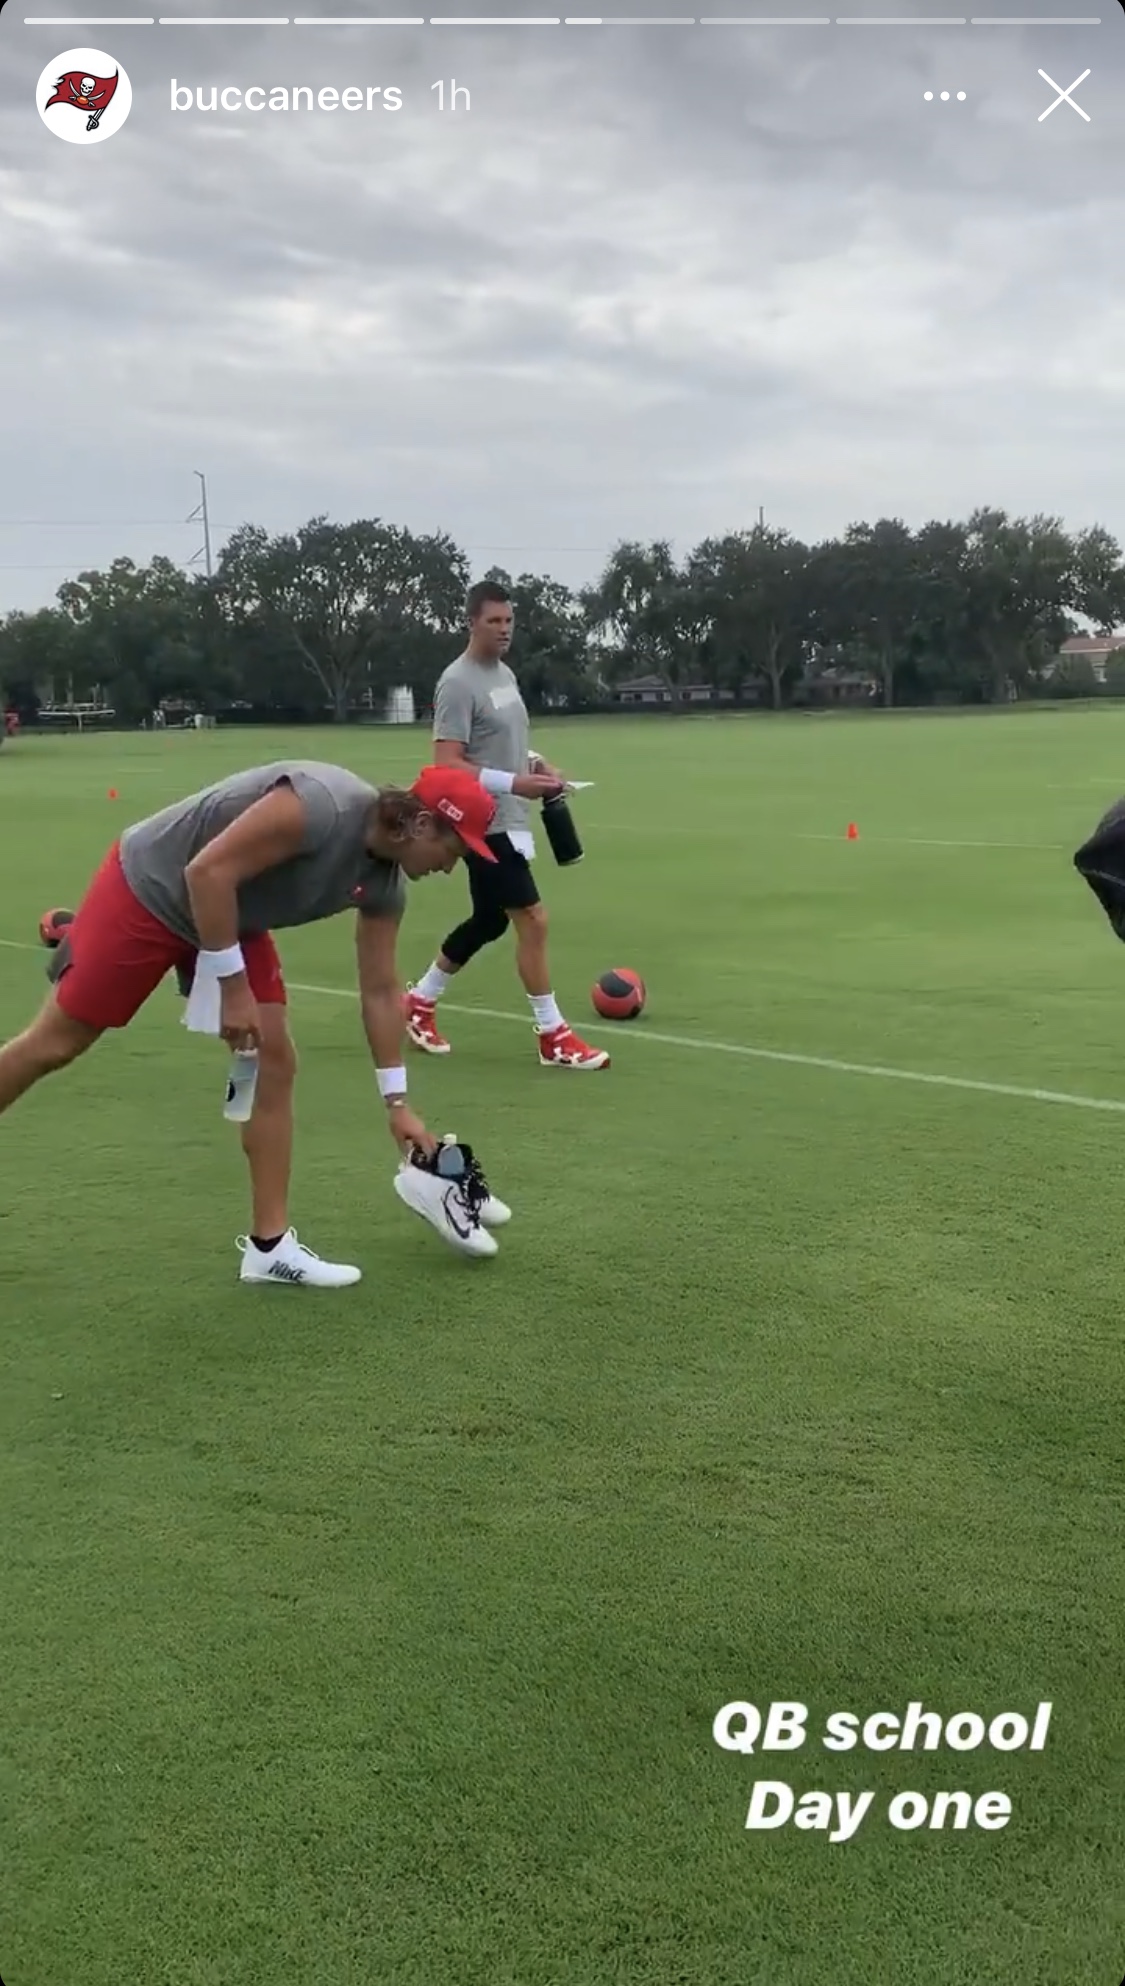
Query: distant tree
x,y
354,602
1022,582
138,633
755,602
551,649
646,617
336,615
882,595
39,655
1099,579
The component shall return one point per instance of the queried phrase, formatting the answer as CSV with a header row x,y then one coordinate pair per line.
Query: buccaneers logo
x,y
92,94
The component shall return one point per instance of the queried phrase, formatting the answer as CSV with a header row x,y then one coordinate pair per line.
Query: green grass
x,y
375,1638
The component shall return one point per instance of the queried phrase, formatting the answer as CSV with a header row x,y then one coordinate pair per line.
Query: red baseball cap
x,y
454,792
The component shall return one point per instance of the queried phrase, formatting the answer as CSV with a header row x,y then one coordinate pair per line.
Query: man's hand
x,y
546,771
538,785
409,1131
240,1023
541,782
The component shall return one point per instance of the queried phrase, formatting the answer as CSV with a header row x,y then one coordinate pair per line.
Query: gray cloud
x,y
653,279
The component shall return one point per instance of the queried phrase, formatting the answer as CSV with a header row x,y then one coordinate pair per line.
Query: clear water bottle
x,y
242,1084
450,1159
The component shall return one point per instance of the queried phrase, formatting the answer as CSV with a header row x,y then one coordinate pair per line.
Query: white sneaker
x,y
493,1212
292,1262
447,1206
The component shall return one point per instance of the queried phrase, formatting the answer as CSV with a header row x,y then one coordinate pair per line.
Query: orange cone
x,y
853,831
113,792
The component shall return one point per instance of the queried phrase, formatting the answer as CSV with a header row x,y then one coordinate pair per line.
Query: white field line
x,y
743,1051
873,840
925,841
702,1045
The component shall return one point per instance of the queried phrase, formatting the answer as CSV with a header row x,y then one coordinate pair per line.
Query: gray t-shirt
x,y
478,705
333,871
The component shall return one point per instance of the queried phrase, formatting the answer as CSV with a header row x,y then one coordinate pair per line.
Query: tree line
x,y
327,620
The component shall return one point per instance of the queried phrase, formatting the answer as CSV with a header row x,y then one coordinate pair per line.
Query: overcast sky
x,y
655,277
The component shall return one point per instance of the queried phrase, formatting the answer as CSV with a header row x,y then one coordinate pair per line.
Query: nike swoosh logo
x,y
451,1217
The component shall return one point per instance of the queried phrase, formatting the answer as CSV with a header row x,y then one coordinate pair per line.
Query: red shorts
x,y
119,953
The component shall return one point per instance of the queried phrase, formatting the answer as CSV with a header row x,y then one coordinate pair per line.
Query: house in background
x,y
653,693
826,686
842,686
1095,649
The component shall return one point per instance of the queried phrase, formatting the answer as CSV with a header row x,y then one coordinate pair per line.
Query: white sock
x,y
433,985
545,1009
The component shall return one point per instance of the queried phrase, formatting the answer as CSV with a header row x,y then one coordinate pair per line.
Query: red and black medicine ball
x,y
619,995
53,927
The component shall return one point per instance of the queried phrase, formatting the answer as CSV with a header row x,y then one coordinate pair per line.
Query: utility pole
x,y
200,515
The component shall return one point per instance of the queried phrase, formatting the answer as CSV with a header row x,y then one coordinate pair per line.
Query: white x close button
x,y
1064,96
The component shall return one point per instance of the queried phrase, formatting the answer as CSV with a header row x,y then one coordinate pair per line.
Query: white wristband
x,y
497,782
392,1082
224,965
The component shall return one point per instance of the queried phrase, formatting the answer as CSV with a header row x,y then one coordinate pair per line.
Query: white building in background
x,y
400,707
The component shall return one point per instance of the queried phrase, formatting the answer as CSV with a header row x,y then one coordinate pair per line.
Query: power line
x,y
162,524
93,523
493,551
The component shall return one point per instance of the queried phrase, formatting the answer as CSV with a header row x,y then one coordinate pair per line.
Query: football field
x,y
374,1637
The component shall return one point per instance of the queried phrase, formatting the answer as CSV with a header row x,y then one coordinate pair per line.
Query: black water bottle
x,y
559,828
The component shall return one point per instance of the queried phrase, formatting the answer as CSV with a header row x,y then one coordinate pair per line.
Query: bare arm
x,y
376,942
453,722
380,995
526,785
269,832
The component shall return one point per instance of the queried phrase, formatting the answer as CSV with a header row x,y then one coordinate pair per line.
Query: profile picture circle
x,y
84,96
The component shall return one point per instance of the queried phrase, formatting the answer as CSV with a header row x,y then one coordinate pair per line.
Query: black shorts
x,y
506,884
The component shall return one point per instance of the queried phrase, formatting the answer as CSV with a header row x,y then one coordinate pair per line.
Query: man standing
x,y
481,721
198,889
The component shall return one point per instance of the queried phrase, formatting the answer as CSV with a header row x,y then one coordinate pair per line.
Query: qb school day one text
x,y
782,1726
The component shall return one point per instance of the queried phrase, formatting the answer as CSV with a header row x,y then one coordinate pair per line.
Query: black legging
x,y
482,928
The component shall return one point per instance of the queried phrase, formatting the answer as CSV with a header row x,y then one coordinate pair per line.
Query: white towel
x,y
204,1007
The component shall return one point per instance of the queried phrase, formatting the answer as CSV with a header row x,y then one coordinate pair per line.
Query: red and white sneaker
x,y
561,1048
421,1025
